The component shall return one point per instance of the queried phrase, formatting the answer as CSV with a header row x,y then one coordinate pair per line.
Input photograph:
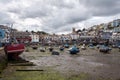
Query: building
x,y
116,30
116,23
34,37
22,37
115,36
74,35
7,31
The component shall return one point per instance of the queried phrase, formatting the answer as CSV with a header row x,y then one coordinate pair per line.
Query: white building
x,y
34,37
74,35
115,36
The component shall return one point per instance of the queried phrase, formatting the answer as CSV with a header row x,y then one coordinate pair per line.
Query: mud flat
x,y
89,64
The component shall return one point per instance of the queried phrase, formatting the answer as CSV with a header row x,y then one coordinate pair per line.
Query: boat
x,y
61,48
83,47
104,48
50,49
42,49
74,50
91,46
66,45
14,50
35,46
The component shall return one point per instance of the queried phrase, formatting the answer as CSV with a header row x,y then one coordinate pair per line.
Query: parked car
x,y
104,48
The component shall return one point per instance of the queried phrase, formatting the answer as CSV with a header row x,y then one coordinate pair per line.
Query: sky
x,y
57,16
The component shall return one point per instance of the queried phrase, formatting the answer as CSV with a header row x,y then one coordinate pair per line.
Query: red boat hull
x,y
14,50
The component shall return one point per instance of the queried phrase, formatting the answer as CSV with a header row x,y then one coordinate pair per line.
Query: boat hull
x,y
14,50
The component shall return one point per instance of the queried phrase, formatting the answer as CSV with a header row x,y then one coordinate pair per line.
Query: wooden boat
x,y
14,50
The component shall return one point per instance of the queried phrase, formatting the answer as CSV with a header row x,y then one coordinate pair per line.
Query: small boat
x,y
66,46
91,46
104,49
50,49
34,47
42,49
83,47
14,50
55,53
61,48
74,50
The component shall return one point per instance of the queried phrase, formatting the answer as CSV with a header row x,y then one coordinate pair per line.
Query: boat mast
x,y
11,33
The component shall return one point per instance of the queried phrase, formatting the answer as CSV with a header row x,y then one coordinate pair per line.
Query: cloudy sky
x,y
57,16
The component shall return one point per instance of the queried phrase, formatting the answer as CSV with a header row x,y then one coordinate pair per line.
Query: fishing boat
x,y
14,50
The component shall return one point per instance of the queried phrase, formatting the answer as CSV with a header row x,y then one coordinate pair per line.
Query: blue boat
x,y
104,49
74,50
91,46
66,46
116,44
61,48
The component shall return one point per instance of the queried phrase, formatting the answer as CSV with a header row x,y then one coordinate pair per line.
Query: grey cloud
x,y
15,10
35,25
5,18
102,7
62,4
60,15
66,17
5,1
34,12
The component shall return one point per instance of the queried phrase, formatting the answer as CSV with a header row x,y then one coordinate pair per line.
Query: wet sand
x,y
97,65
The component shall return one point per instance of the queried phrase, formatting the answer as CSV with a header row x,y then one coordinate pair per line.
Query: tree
x,y
26,31
78,30
83,29
32,31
